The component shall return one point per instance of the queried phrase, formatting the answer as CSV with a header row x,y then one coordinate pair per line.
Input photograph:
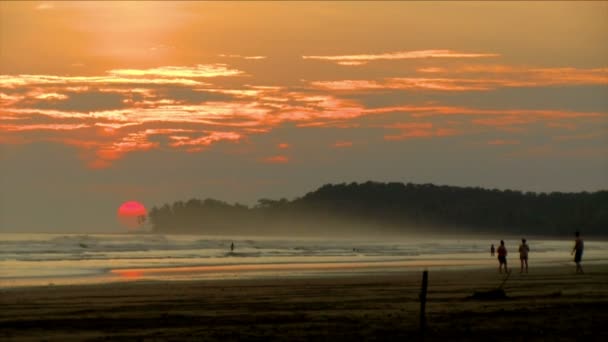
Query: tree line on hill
x,y
394,207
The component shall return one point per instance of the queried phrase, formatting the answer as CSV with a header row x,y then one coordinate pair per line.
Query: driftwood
x,y
489,295
494,294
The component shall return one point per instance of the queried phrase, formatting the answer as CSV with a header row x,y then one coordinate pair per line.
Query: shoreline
x,y
276,270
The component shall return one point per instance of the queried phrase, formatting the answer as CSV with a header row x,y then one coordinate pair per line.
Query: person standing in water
x,y
523,255
231,247
502,257
492,250
578,252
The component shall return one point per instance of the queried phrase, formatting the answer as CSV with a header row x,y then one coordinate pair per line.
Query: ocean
x,y
63,259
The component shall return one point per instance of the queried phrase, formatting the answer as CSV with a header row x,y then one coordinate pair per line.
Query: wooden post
x,y
425,282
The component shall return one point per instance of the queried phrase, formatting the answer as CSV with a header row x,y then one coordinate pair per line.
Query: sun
x,y
132,215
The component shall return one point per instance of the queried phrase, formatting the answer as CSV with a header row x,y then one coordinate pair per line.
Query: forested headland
x,y
392,207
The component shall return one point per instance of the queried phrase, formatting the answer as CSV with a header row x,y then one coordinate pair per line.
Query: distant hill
x,y
393,207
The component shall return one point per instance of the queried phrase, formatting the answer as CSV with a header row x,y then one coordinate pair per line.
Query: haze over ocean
x,y
43,259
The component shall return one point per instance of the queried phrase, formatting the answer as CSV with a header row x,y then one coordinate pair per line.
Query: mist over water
x,y
42,259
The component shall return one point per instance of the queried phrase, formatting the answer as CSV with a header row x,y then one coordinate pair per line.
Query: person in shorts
x,y
524,249
502,257
578,252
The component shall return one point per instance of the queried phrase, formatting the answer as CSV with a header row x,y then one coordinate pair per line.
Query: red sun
x,y
132,215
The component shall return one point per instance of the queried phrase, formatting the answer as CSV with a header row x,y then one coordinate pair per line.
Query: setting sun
x,y
132,214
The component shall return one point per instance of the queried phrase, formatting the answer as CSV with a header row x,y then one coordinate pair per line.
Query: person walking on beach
x,y
502,257
578,252
492,250
523,255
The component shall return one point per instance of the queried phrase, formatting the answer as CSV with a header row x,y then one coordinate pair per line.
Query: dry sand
x,y
550,303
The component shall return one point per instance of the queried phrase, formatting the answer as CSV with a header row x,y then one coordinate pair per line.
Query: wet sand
x,y
550,303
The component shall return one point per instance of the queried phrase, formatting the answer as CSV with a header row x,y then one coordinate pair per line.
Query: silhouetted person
x,y
523,255
492,250
578,252
232,247
502,257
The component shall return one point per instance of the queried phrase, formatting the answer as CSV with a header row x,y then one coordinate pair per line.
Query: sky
x,y
107,102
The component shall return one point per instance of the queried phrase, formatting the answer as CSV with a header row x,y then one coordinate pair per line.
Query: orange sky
x,y
491,94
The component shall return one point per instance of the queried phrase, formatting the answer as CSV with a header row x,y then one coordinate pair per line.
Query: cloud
x,y
197,144
479,79
44,6
107,153
123,111
342,144
504,121
410,125
39,127
354,60
51,96
420,111
503,142
200,70
10,81
277,160
80,102
411,130
166,75
406,83
422,133
242,57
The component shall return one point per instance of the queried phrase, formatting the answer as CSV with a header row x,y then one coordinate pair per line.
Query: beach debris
x,y
489,295
83,245
494,294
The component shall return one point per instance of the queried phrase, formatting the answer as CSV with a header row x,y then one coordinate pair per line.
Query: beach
x,y
549,303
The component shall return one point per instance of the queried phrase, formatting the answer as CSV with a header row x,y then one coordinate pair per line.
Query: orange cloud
x,y
488,80
44,6
410,125
351,63
342,144
177,75
504,121
518,76
50,96
108,153
39,127
200,70
243,57
410,130
405,83
503,142
8,99
197,144
7,81
276,160
422,133
431,110
192,115
400,55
